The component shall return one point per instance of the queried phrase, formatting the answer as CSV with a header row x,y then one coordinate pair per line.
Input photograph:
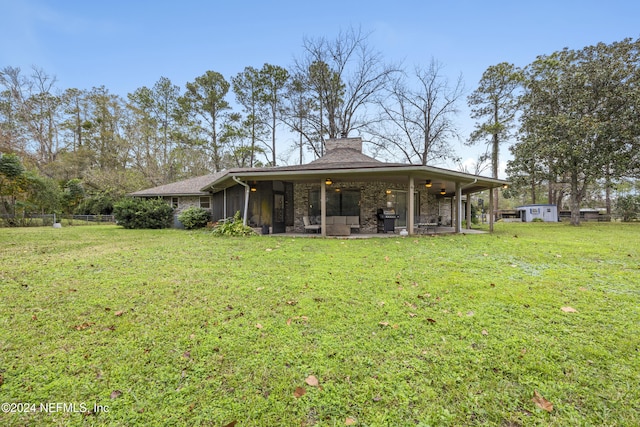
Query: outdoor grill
x,y
387,220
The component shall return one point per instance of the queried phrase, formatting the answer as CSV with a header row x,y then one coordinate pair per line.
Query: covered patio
x,y
347,183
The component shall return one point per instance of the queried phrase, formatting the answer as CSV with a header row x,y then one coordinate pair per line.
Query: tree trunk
x,y
607,189
494,155
575,200
533,191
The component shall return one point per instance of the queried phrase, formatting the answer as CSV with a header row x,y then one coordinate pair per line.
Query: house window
x,y
205,202
340,202
174,202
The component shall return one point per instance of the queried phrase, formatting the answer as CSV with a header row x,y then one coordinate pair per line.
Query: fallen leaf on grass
x,y
412,315
34,317
299,392
119,313
231,424
430,320
485,332
541,402
83,326
259,326
186,355
292,302
568,309
349,421
312,381
304,319
383,323
268,250
116,394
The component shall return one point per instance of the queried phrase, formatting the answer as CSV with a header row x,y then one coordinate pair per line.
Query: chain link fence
x,y
48,220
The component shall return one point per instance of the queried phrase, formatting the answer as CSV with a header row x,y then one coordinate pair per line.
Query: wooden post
x,y
458,208
468,205
323,208
491,210
411,208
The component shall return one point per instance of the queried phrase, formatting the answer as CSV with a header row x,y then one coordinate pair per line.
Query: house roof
x,y
346,165
187,187
342,161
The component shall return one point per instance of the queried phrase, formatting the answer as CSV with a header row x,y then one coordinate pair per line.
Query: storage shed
x,y
546,213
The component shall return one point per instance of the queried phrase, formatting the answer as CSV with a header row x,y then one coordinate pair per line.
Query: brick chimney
x,y
351,143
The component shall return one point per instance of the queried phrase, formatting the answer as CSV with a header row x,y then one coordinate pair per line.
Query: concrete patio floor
x,y
438,231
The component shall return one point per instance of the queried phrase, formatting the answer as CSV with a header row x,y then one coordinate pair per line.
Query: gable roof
x,y
187,187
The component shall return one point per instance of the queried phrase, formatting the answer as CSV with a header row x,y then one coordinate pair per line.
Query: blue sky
x,y
124,45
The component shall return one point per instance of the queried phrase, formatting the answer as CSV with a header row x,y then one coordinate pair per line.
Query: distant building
x,y
546,213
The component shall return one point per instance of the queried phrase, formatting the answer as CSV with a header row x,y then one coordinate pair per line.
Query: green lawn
x,y
173,327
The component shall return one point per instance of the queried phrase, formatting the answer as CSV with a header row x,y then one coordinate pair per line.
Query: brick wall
x,y
372,197
185,202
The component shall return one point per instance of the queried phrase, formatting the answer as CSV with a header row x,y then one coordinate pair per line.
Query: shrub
x,y
143,213
194,217
233,227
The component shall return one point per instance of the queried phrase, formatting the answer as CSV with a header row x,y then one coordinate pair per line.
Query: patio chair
x,y
425,223
308,226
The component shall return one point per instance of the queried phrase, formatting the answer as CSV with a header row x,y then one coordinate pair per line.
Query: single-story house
x,y
342,192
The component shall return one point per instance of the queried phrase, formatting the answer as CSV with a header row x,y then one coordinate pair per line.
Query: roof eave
x,y
226,181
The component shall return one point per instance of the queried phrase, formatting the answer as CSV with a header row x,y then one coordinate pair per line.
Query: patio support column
x,y
411,207
323,208
468,211
458,208
491,210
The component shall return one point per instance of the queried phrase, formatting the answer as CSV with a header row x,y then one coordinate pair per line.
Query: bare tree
x,y
342,76
30,112
14,88
478,166
417,116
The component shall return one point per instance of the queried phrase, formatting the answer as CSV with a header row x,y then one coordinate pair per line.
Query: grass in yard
x,y
172,327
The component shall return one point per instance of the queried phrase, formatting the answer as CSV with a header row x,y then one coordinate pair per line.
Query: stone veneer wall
x,y
372,197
